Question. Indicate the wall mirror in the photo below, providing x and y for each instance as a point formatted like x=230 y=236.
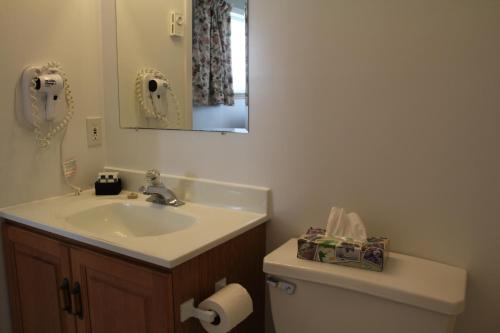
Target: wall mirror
x=183 y=64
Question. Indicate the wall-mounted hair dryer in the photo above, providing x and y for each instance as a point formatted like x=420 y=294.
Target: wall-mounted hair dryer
x=51 y=86
x=158 y=90
x=47 y=104
x=42 y=86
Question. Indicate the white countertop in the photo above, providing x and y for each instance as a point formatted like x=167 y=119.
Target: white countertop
x=214 y=226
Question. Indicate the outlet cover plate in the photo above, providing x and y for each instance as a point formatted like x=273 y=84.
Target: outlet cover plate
x=94 y=131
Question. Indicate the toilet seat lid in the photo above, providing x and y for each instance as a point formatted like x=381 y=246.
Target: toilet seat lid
x=405 y=279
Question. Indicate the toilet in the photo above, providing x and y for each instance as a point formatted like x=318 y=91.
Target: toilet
x=411 y=295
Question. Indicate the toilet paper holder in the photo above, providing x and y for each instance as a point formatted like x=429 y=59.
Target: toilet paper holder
x=188 y=310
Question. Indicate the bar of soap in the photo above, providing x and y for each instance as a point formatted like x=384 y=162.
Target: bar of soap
x=132 y=195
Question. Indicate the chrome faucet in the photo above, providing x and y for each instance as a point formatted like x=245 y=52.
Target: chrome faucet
x=158 y=192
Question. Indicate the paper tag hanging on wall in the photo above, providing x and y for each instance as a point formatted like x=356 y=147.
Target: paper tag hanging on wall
x=176 y=24
x=69 y=168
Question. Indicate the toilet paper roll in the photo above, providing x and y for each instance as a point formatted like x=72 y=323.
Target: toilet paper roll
x=232 y=304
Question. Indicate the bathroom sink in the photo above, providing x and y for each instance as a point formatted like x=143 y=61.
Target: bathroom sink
x=166 y=236
x=128 y=220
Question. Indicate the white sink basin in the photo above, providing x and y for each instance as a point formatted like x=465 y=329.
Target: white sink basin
x=128 y=220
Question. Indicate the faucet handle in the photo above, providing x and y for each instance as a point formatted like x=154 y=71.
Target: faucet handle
x=153 y=177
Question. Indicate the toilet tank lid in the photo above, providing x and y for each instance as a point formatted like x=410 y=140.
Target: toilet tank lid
x=405 y=279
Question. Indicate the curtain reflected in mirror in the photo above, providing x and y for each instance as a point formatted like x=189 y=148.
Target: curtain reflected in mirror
x=192 y=75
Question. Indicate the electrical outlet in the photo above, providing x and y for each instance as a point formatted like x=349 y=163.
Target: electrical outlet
x=94 y=131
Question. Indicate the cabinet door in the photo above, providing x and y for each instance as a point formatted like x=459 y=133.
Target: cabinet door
x=118 y=296
x=38 y=273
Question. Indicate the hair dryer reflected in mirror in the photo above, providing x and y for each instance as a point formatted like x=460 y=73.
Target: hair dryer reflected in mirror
x=156 y=98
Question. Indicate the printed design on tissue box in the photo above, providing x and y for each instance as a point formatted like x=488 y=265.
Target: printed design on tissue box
x=378 y=241
x=348 y=252
x=374 y=255
x=326 y=251
x=316 y=246
x=307 y=249
x=315 y=233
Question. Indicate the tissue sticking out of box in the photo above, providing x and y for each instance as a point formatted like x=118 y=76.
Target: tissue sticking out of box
x=343 y=225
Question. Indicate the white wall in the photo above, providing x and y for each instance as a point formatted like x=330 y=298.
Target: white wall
x=388 y=107
x=34 y=32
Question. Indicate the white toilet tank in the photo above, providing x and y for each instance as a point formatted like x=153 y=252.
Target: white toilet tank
x=411 y=295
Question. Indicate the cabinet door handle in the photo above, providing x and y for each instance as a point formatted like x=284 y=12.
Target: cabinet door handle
x=77 y=300
x=66 y=298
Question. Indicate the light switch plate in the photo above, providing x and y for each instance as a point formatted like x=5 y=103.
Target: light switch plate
x=176 y=24
x=94 y=131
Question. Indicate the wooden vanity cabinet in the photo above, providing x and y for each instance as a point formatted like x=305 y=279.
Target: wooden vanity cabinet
x=112 y=295
x=59 y=285
x=38 y=272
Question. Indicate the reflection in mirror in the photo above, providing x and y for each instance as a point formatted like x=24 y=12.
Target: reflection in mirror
x=183 y=64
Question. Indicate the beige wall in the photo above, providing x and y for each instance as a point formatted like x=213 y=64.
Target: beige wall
x=387 y=107
x=34 y=32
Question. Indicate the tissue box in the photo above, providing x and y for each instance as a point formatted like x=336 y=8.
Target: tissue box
x=316 y=246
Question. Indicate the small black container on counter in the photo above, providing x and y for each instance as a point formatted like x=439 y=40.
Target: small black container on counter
x=108 y=188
